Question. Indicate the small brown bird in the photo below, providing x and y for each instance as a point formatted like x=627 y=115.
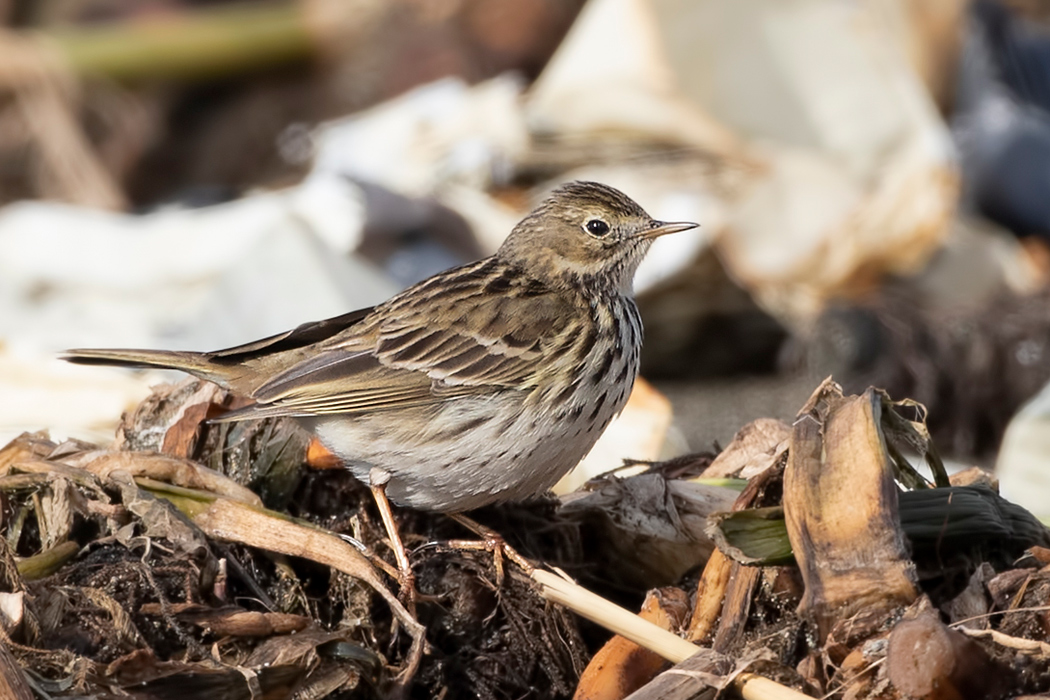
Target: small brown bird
x=484 y=383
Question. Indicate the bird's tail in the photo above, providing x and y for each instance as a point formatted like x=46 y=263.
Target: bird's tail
x=195 y=363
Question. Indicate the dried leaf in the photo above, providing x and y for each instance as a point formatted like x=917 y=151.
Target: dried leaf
x=55 y=515
x=840 y=505
x=756 y=447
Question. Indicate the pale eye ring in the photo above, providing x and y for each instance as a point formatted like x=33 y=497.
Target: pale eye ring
x=597 y=227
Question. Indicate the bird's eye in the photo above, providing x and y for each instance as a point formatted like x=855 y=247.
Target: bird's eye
x=597 y=227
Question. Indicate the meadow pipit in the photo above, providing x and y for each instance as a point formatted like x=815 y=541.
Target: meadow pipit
x=484 y=383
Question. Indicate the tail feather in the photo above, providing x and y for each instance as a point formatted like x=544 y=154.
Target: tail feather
x=195 y=363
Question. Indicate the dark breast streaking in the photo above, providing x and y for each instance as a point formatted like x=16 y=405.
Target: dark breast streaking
x=471 y=451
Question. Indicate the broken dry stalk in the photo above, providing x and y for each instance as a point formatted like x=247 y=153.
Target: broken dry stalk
x=755 y=687
x=709 y=594
x=736 y=606
x=613 y=617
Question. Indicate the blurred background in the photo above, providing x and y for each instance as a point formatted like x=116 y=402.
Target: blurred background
x=872 y=180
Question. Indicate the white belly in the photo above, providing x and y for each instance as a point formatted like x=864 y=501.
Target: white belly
x=457 y=461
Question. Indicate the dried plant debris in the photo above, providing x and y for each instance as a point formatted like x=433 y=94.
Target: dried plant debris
x=137 y=571
x=852 y=590
x=841 y=573
x=653 y=524
x=265 y=456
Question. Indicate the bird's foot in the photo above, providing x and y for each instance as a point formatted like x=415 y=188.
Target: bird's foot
x=491 y=541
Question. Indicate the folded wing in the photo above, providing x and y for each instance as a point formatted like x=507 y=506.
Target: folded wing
x=463 y=342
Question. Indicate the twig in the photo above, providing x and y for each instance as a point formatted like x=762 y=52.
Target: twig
x=1026 y=645
x=613 y=617
x=755 y=687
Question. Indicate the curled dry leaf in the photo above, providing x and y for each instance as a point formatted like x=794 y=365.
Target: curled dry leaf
x=158 y=518
x=756 y=447
x=181 y=472
x=25 y=447
x=654 y=524
x=841 y=510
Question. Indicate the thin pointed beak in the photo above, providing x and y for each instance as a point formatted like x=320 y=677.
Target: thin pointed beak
x=662 y=228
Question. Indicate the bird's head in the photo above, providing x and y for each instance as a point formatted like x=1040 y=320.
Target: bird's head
x=585 y=233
